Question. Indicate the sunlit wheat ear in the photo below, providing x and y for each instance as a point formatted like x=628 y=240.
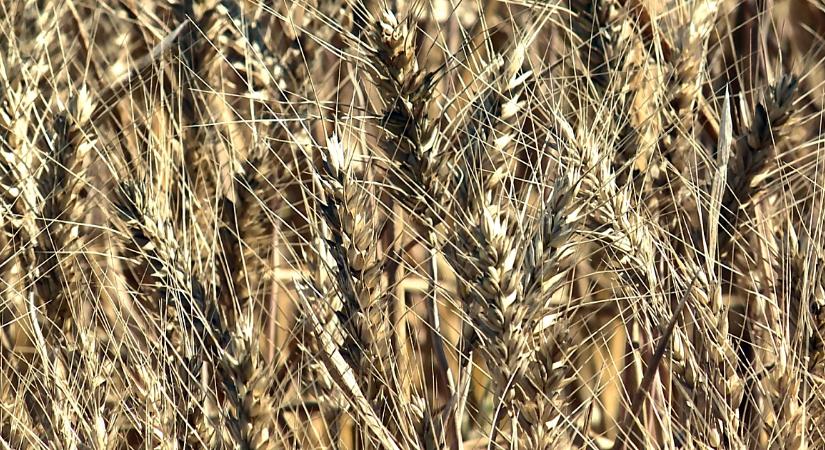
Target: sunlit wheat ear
x=191 y=331
x=248 y=225
x=361 y=326
x=674 y=167
x=488 y=139
x=410 y=137
x=19 y=203
x=597 y=44
x=63 y=187
x=506 y=279
x=351 y=236
x=59 y=284
x=245 y=383
x=688 y=64
x=754 y=151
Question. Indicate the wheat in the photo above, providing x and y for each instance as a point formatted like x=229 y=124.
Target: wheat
x=351 y=224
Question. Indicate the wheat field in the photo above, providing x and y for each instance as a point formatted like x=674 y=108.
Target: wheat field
x=443 y=224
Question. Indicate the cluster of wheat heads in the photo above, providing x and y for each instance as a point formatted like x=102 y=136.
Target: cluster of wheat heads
x=400 y=225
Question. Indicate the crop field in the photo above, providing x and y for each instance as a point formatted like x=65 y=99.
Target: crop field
x=403 y=224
